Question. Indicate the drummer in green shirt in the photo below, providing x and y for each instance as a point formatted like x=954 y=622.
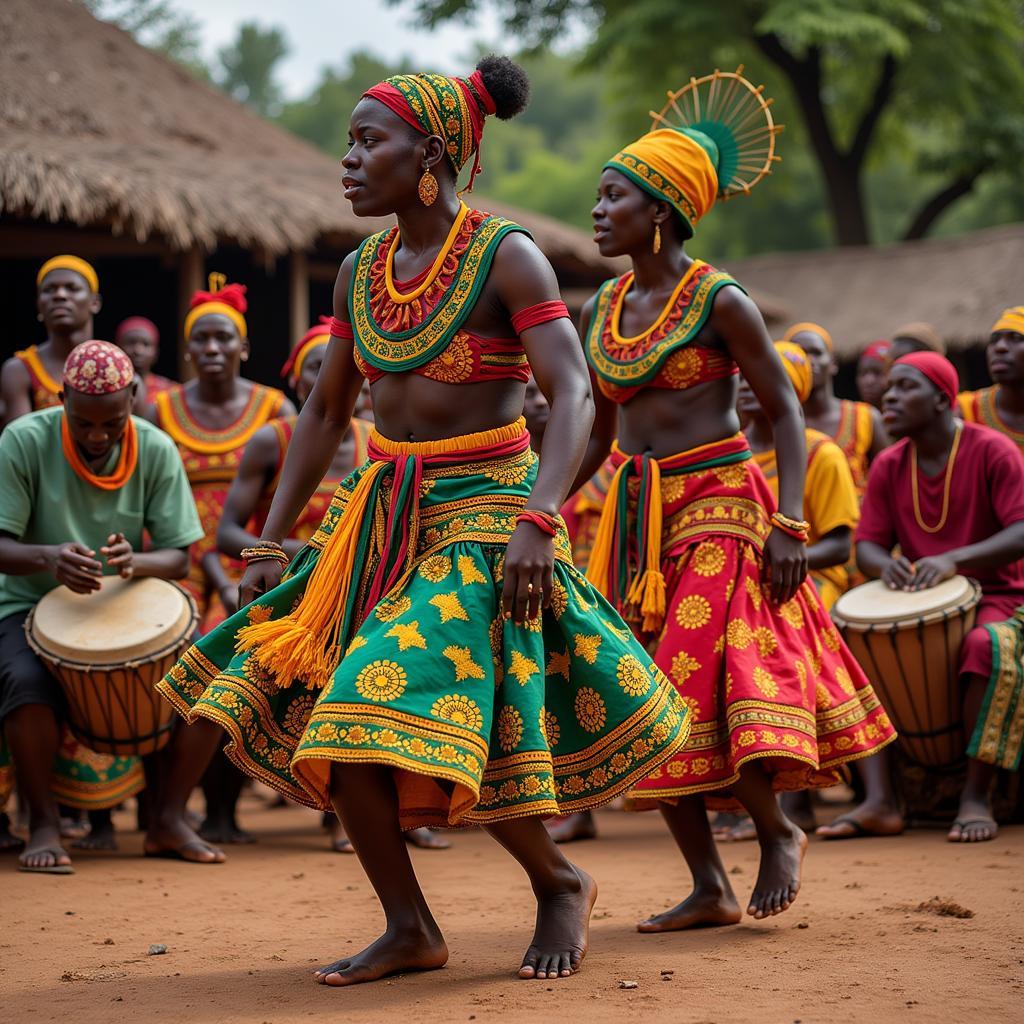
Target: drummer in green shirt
x=82 y=482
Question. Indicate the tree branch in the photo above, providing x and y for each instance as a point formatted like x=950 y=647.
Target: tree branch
x=942 y=200
x=879 y=101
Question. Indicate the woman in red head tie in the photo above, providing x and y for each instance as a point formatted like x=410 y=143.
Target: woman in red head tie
x=139 y=337
x=432 y=657
x=690 y=546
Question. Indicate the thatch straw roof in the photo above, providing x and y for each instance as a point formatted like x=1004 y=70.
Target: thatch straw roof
x=97 y=130
x=957 y=284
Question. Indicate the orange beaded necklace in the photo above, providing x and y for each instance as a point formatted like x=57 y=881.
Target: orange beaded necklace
x=945 y=486
x=126 y=462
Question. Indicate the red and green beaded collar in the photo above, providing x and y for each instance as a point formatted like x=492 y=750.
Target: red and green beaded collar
x=632 y=361
x=395 y=334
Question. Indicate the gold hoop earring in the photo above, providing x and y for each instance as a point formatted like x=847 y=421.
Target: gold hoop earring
x=428 y=188
x=657 y=238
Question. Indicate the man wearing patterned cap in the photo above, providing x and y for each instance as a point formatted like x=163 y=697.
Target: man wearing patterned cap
x=67 y=299
x=1001 y=406
x=70 y=520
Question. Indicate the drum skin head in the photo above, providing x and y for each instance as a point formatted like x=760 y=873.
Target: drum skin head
x=124 y=620
x=874 y=603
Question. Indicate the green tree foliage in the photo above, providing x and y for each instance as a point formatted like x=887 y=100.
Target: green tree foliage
x=927 y=91
x=249 y=65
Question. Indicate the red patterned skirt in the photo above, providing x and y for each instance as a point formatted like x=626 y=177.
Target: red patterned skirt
x=763 y=681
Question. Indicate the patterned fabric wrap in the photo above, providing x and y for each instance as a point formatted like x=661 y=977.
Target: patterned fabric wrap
x=451 y=108
x=81 y=778
x=482 y=719
x=394 y=337
x=665 y=356
x=855 y=435
x=45 y=391
x=676 y=165
x=998 y=736
x=211 y=459
x=98 y=368
x=766 y=682
x=797 y=367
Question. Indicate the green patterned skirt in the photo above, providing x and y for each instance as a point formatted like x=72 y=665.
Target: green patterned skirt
x=481 y=719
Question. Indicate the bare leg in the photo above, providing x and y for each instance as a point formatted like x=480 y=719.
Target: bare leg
x=572 y=827
x=712 y=901
x=180 y=770
x=799 y=808
x=366 y=801
x=222 y=786
x=33 y=737
x=565 y=898
x=8 y=840
x=974 y=821
x=783 y=845
x=879 y=814
x=100 y=835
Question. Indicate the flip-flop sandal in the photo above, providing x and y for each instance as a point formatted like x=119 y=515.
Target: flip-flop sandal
x=179 y=853
x=51 y=869
x=964 y=823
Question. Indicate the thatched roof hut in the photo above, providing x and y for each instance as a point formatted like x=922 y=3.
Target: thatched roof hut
x=957 y=284
x=115 y=152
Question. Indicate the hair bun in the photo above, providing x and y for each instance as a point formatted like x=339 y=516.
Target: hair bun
x=507 y=83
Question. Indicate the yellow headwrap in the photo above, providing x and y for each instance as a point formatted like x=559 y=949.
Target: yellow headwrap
x=813 y=329
x=797 y=367
x=1011 y=319
x=68 y=262
x=675 y=165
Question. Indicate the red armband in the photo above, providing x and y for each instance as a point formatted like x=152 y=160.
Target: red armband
x=340 y=329
x=542 y=313
x=544 y=522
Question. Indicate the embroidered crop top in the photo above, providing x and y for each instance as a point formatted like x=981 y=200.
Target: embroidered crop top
x=664 y=356
x=416 y=325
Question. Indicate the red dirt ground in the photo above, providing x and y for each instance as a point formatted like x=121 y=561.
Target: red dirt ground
x=243 y=938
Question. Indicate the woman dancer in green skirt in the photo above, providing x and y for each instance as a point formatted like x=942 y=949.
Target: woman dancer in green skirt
x=432 y=657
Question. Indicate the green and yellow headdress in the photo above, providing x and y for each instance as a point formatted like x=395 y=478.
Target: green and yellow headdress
x=714 y=138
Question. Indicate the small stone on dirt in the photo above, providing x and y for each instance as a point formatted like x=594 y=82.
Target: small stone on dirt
x=628 y=984
x=108 y=942
x=944 y=908
x=157 y=949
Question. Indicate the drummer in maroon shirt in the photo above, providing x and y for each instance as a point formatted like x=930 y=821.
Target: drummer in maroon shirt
x=966 y=516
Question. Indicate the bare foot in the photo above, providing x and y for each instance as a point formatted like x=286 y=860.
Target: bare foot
x=9 y=842
x=974 y=822
x=724 y=822
x=572 y=827
x=224 y=831
x=99 y=838
x=73 y=828
x=701 y=909
x=44 y=852
x=562 y=934
x=742 y=832
x=171 y=837
x=395 y=952
x=424 y=839
x=778 y=880
x=865 y=820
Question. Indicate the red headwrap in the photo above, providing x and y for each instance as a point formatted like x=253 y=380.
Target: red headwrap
x=318 y=334
x=938 y=369
x=876 y=350
x=226 y=299
x=452 y=108
x=97 y=368
x=137 y=323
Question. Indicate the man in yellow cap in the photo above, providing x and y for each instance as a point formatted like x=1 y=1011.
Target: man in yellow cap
x=1001 y=406
x=67 y=299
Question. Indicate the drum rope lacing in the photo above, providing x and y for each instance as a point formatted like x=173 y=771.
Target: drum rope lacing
x=945 y=486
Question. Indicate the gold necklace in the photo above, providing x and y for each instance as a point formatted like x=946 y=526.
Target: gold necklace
x=945 y=486
x=435 y=268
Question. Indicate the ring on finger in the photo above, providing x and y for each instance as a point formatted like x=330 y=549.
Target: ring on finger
x=529 y=588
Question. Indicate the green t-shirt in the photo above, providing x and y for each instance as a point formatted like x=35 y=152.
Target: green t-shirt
x=43 y=501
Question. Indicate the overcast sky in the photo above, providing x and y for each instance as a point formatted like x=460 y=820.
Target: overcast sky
x=324 y=32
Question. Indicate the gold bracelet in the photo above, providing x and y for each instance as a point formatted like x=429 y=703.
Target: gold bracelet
x=265 y=551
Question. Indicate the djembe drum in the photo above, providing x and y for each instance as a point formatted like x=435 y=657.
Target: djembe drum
x=108 y=650
x=909 y=646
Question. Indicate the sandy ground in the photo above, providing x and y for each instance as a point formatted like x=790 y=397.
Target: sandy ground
x=241 y=939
